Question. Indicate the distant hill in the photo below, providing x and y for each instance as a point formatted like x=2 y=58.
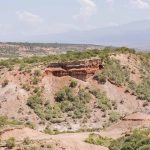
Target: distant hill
x=12 y=49
x=135 y=34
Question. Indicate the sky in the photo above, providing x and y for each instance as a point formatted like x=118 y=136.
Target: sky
x=20 y=19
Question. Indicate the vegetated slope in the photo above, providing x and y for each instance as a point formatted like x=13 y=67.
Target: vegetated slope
x=121 y=87
x=14 y=50
x=31 y=95
x=138 y=139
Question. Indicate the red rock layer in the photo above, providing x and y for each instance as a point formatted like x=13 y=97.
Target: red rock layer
x=77 y=69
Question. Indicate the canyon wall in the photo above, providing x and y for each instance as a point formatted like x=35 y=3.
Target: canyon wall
x=77 y=69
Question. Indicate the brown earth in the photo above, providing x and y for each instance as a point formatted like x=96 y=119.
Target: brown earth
x=72 y=141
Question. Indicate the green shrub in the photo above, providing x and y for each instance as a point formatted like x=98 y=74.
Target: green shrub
x=35 y=80
x=116 y=145
x=145 y=141
x=6 y=121
x=34 y=100
x=22 y=66
x=100 y=77
x=66 y=106
x=114 y=116
x=3 y=121
x=102 y=101
x=132 y=85
x=143 y=89
x=75 y=103
x=10 y=143
x=113 y=72
x=98 y=140
x=30 y=125
x=138 y=140
x=37 y=73
x=65 y=94
x=61 y=96
x=73 y=83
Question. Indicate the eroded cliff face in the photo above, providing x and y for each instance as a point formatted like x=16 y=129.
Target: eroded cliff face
x=77 y=69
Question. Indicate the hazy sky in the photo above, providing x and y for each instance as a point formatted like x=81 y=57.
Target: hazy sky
x=23 y=18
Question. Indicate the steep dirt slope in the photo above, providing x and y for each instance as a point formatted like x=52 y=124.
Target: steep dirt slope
x=13 y=103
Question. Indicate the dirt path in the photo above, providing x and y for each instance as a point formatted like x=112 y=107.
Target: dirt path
x=69 y=141
x=75 y=141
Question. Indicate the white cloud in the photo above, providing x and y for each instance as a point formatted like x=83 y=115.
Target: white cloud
x=141 y=4
x=29 y=18
x=88 y=8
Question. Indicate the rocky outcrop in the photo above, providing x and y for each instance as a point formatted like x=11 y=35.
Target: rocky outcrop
x=77 y=69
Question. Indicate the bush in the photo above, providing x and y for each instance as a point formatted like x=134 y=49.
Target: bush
x=22 y=66
x=27 y=141
x=100 y=77
x=34 y=100
x=138 y=140
x=5 y=121
x=145 y=141
x=73 y=83
x=115 y=145
x=10 y=143
x=4 y=83
x=98 y=140
x=30 y=125
x=37 y=73
x=143 y=89
x=113 y=72
x=132 y=85
x=102 y=101
x=114 y=116
x=35 y=80
x=65 y=94
x=66 y=106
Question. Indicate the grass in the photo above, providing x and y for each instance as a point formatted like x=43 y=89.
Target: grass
x=4 y=121
x=98 y=140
